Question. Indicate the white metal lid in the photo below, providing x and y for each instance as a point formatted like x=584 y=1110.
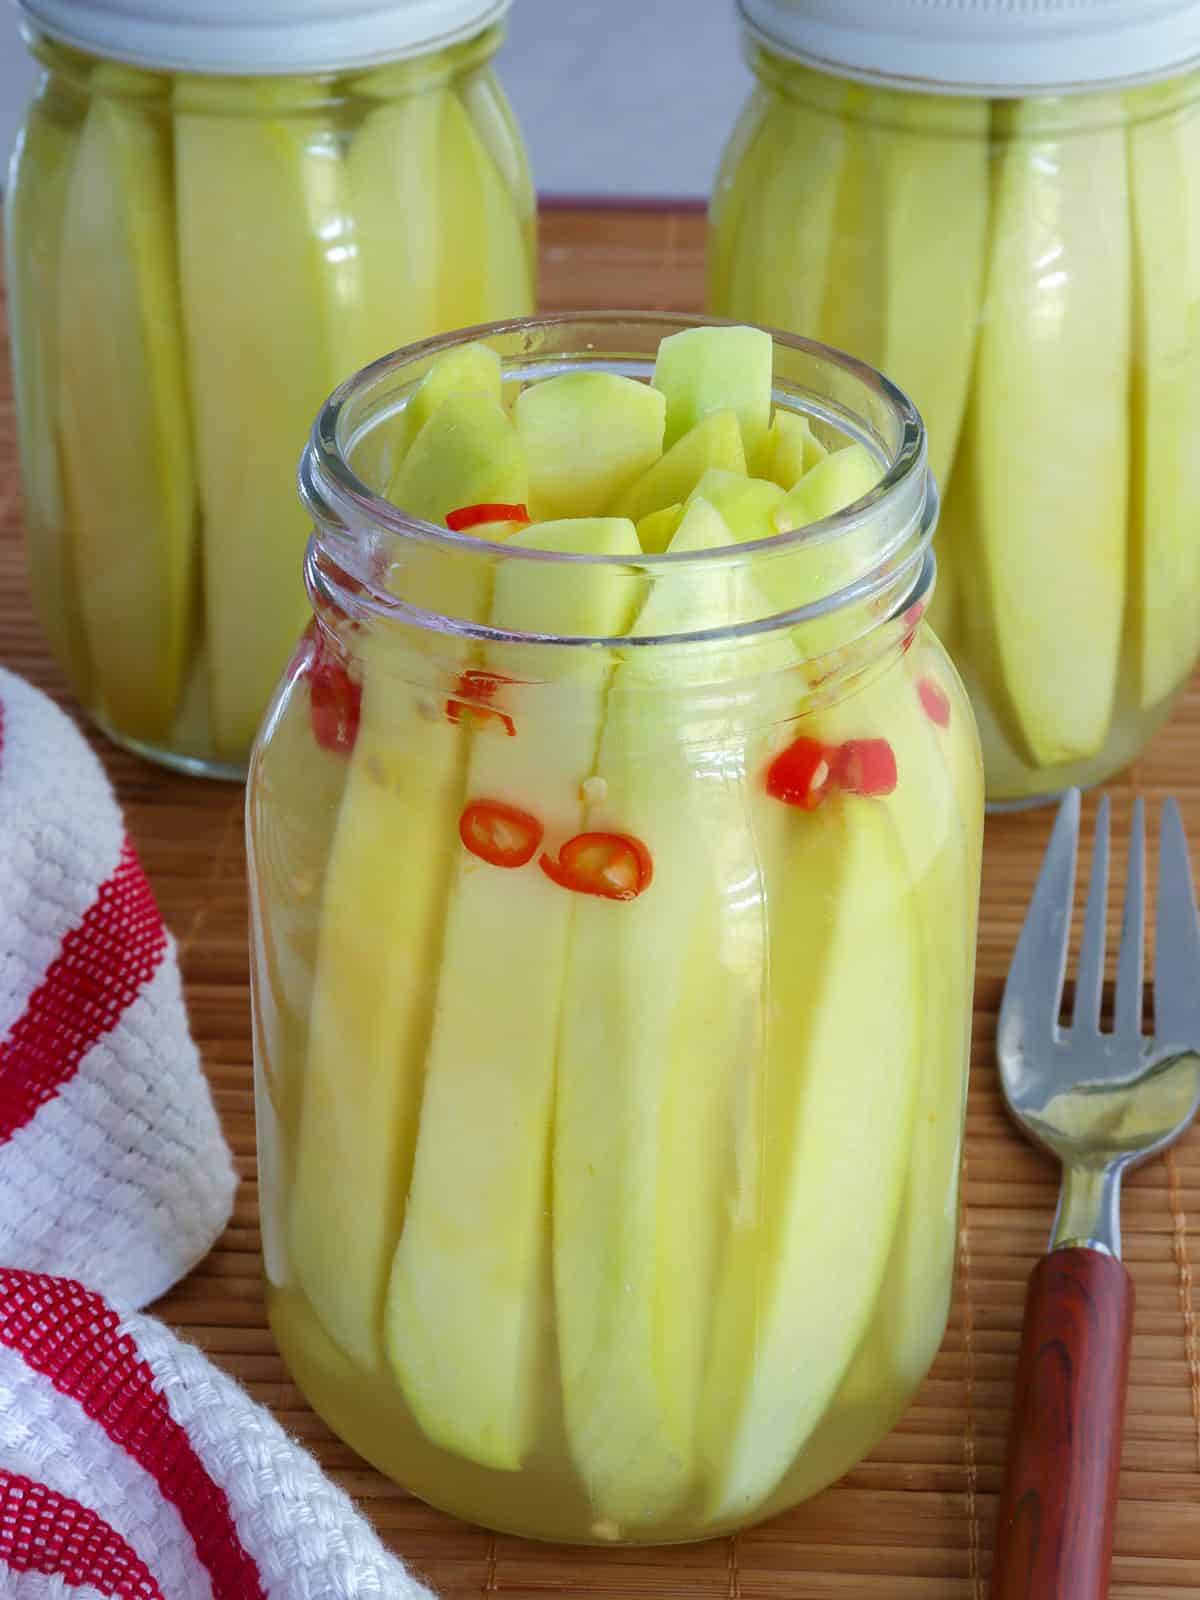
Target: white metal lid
x=260 y=36
x=989 y=47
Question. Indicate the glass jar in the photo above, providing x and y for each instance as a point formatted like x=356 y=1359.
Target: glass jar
x=194 y=260
x=1027 y=265
x=612 y=1208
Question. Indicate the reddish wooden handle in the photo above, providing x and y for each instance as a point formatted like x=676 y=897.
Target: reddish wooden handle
x=1058 y=1504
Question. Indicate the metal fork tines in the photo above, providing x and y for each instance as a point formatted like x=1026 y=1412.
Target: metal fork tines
x=1103 y=1100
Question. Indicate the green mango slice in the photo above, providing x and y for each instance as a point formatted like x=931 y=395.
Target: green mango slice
x=663 y=996
x=391 y=176
x=748 y=505
x=127 y=461
x=938 y=822
x=1164 y=152
x=37 y=198
x=266 y=281
x=851 y=316
x=485 y=270
x=587 y=436
x=832 y=1178
x=716 y=369
x=476 y=1229
x=782 y=237
x=438 y=234
x=656 y=531
x=836 y=481
x=467 y=454
x=382 y=917
x=466 y=369
x=932 y=159
x=1048 y=430
x=715 y=441
x=791 y=448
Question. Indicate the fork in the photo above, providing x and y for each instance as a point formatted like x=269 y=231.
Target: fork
x=1101 y=1102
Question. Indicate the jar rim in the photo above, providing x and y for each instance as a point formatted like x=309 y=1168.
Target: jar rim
x=339 y=501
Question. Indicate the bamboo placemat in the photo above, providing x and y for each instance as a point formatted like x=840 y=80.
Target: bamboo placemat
x=915 y=1520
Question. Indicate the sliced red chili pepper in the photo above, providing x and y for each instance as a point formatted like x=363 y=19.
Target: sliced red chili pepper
x=616 y=866
x=935 y=700
x=335 y=699
x=866 y=766
x=802 y=774
x=473 y=516
x=499 y=834
x=476 y=686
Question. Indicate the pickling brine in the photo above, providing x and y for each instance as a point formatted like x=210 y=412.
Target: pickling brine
x=614 y=882
x=195 y=260
x=1028 y=268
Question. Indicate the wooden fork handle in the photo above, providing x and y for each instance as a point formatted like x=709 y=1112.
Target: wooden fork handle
x=1058 y=1504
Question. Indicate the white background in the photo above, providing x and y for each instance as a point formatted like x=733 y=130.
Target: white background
x=624 y=97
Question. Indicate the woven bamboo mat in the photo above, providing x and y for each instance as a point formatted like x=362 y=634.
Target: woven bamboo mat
x=915 y=1520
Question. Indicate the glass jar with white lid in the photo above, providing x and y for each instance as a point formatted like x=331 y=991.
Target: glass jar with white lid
x=999 y=206
x=213 y=216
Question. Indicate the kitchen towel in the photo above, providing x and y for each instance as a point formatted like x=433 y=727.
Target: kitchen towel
x=130 y=1467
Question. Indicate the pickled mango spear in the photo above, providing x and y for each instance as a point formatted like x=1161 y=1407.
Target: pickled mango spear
x=1048 y=432
x=476 y=1229
x=466 y=369
x=656 y=531
x=468 y=453
x=127 y=463
x=393 y=196
x=663 y=995
x=930 y=205
x=587 y=437
x=714 y=441
x=748 y=505
x=936 y=809
x=781 y=240
x=835 y=481
x=839 y=1088
x=811 y=568
x=436 y=231
x=942 y=846
x=267 y=279
x=791 y=448
x=853 y=854
x=702 y=370
x=852 y=309
x=372 y=1005
x=1164 y=177
x=484 y=265
x=382 y=921
x=37 y=197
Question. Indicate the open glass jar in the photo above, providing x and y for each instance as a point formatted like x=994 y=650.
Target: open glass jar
x=204 y=237
x=609 y=1071
x=1025 y=260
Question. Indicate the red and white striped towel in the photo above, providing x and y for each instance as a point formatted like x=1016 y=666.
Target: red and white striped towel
x=112 y=1164
x=130 y=1467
